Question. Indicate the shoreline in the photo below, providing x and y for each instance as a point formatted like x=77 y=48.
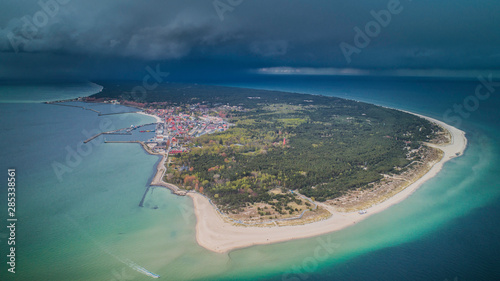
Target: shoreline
x=219 y=236
x=158 y=119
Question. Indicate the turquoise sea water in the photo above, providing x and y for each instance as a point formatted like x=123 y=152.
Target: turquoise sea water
x=78 y=214
x=38 y=92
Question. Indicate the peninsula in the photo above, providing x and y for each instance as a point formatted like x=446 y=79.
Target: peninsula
x=266 y=166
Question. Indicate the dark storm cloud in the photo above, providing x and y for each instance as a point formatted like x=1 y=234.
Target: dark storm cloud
x=249 y=34
x=150 y=31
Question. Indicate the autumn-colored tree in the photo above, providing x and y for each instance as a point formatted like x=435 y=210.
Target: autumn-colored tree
x=214 y=168
x=188 y=180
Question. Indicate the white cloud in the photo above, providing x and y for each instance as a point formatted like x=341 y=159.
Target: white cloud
x=428 y=73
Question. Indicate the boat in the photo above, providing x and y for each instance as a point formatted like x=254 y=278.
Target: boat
x=362 y=212
x=142 y=270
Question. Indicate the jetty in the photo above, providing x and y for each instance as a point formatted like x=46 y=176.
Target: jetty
x=141 y=204
x=127 y=131
x=157 y=180
x=61 y=103
x=99 y=113
x=160 y=173
x=102 y=114
x=91 y=138
x=122 y=142
x=104 y=133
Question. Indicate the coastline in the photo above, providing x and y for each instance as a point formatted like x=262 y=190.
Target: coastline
x=219 y=236
x=158 y=119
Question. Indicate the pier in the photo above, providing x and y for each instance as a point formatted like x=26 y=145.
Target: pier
x=129 y=134
x=90 y=139
x=105 y=133
x=117 y=132
x=157 y=180
x=141 y=204
x=122 y=142
x=61 y=103
x=102 y=114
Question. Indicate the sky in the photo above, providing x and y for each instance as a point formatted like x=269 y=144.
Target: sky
x=101 y=39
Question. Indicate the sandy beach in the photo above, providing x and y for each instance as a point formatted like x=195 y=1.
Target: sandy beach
x=216 y=235
x=158 y=119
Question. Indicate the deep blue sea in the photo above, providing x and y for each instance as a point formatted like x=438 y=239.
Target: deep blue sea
x=79 y=219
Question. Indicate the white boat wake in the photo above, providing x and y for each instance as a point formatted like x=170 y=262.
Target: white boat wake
x=127 y=262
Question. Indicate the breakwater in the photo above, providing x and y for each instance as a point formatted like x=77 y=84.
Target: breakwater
x=126 y=131
x=62 y=103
